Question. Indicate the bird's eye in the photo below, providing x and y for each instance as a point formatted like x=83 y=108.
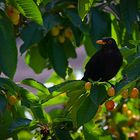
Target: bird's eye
x=110 y=42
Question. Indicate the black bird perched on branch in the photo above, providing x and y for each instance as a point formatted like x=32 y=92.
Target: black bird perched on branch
x=105 y=63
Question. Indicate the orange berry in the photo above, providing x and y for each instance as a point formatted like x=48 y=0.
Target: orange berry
x=68 y=33
x=88 y=85
x=111 y=91
x=125 y=93
x=61 y=38
x=134 y=93
x=9 y=10
x=13 y=14
x=55 y=31
x=129 y=113
x=110 y=105
x=12 y=100
x=124 y=108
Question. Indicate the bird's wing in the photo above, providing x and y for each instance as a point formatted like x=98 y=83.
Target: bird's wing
x=93 y=60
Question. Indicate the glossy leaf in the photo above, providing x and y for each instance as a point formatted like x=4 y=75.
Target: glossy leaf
x=30 y=35
x=28 y=98
x=76 y=105
x=5 y=82
x=51 y=20
x=83 y=7
x=35 y=84
x=68 y=87
x=62 y=134
x=30 y=10
x=133 y=69
x=8 y=50
x=37 y=111
x=6 y=120
x=126 y=52
x=75 y=19
x=69 y=49
x=3 y=103
x=58 y=58
x=128 y=13
x=35 y=60
x=74 y=97
x=19 y=124
x=100 y=25
x=77 y=36
x=90 y=49
x=98 y=94
x=71 y=86
x=90 y=131
x=86 y=111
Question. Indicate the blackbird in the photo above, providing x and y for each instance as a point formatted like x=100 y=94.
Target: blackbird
x=105 y=63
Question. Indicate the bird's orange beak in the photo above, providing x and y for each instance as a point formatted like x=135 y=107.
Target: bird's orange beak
x=101 y=42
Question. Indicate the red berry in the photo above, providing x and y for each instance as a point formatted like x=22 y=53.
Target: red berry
x=12 y=100
x=110 y=105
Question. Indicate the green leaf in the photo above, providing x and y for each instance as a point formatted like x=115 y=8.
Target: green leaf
x=90 y=132
x=133 y=69
x=75 y=108
x=58 y=100
x=5 y=82
x=67 y=86
x=37 y=111
x=28 y=98
x=83 y=7
x=132 y=72
x=30 y=10
x=126 y=52
x=3 y=103
x=75 y=19
x=86 y=111
x=120 y=118
x=30 y=35
x=134 y=42
x=51 y=20
x=62 y=134
x=19 y=124
x=35 y=60
x=100 y=25
x=90 y=49
x=73 y=98
x=6 y=118
x=77 y=35
x=128 y=13
x=105 y=137
x=71 y=86
x=8 y=50
x=69 y=49
x=98 y=94
x=35 y=84
x=57 y=57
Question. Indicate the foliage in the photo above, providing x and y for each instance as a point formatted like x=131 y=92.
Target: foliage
x=51 y=32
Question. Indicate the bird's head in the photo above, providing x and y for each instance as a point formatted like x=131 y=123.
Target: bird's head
x=107 y=42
